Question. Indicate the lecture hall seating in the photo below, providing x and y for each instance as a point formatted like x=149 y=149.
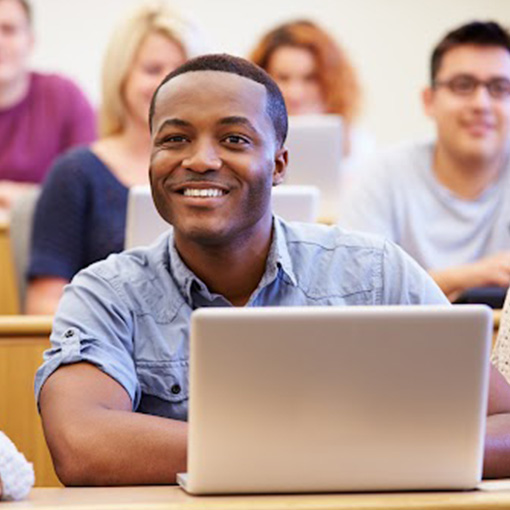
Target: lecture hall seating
x=9 y=303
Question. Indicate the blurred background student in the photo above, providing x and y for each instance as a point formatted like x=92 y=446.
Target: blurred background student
x=81 y=213
x=41 y=115
x=315 y=75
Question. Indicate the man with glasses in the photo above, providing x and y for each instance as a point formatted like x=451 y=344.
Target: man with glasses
x=447 y=201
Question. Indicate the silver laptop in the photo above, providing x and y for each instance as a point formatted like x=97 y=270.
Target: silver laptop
x=315 y=155
x=329 y=399
x=144 y=224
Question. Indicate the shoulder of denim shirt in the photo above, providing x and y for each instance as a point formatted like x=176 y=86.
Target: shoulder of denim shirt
x=330 y=237
x=331 y=263
x=139 y=276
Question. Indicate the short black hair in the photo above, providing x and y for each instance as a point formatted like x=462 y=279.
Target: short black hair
x=275 y=105
x=478 y=33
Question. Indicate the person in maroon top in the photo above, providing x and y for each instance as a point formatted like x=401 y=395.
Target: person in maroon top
x=41 y=115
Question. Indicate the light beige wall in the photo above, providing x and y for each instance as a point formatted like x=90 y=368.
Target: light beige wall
x=389 y=40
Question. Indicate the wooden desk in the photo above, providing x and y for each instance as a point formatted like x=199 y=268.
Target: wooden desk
x=22 y=342
x=492 y=495
x=9 y=303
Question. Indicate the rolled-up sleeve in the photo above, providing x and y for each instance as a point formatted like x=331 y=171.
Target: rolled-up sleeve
x=93 y=324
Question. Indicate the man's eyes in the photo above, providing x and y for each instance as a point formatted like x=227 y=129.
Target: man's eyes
x=236 y=140
x=9 y=30
x=172 y=140
x=176 y=138
x=501 y=86
x=463 y=83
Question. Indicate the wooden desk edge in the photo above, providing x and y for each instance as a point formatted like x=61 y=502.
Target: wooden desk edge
x=25 y=325
x=493 y=494
x=18 y=325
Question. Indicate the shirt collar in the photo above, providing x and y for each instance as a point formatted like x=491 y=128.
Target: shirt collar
x=180 y=272
x=278 y=257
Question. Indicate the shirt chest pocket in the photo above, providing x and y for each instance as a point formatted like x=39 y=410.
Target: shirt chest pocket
x=162 y=363
x=164 y=388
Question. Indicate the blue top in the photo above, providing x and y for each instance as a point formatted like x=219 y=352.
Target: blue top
x=130 y=315
x=80 y=217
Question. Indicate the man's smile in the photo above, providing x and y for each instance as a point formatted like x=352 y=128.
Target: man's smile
x=210 y=192
x=479 y=127
x=201 y=189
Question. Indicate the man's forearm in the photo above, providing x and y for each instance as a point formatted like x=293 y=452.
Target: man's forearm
x=95 y=438
x=450 y=281
x=110 y=447
x=492 y=270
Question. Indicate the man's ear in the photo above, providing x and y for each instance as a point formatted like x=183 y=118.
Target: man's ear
x=427 y=98
x=281 y=161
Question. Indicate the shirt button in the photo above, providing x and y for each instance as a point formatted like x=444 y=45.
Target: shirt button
x=175 y=389
x=69 y=333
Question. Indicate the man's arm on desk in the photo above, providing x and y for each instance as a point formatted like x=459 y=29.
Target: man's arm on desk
x=96 y=439
x=493 y=270
x=497 y=441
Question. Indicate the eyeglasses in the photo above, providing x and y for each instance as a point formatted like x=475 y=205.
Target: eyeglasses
x=465 y=85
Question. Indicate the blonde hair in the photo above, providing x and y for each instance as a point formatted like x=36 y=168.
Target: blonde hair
x=150 y=17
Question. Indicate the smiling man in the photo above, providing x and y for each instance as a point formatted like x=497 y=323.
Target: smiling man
x=212 y=168
x=113 y=391
x=447 y=201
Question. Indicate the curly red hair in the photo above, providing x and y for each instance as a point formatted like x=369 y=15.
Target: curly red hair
x=337 y=76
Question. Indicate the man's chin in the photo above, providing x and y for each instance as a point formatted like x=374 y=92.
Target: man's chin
x=7 y=75
x=204 y=235
x=479 y=151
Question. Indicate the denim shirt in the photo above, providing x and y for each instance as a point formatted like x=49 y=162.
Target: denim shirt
x=129 y=315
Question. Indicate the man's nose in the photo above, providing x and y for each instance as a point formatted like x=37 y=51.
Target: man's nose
x=481 y=98
x=202 y=157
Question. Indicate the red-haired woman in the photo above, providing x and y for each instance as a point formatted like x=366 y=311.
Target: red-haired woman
x=314 y=74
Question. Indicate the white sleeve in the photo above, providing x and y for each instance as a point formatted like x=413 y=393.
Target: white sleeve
x=16 y=474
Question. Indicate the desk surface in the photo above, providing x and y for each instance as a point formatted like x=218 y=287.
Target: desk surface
x=491 y=495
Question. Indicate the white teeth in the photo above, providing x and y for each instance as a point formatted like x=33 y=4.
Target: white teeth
x=213 y=192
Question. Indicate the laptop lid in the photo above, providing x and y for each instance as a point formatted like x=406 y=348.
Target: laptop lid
x=315 y=155
x=144 y=224
x=333 y=399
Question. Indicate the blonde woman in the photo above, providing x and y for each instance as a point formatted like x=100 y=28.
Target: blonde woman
x=81 y=213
